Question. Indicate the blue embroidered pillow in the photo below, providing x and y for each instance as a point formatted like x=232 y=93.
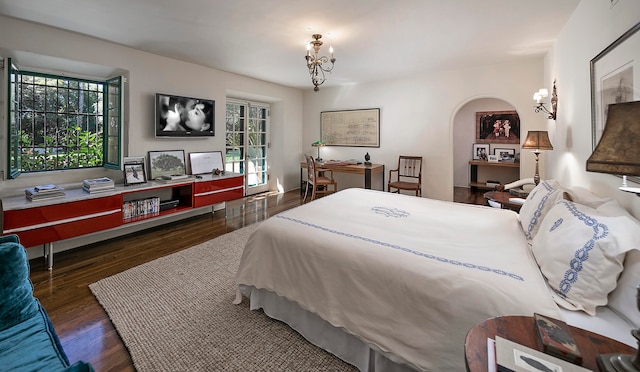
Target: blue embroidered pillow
x=538 y=203
x=581 y=253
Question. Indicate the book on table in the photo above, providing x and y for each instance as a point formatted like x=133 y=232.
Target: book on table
x=514 y=357
x=555 y=337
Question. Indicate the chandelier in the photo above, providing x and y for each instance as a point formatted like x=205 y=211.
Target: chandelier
x=314 y=62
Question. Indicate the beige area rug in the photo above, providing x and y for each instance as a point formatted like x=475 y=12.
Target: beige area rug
x=176 y=314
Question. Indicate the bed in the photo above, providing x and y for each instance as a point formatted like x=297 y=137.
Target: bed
x=394 y=282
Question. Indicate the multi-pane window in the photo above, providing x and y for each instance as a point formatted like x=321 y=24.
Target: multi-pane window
x=58 y=122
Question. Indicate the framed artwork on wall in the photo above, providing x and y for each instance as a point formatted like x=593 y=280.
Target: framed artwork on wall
x=497 y=127
x=357 y=128
x=614 y=78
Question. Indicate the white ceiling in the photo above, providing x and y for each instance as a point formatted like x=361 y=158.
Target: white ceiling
x=265 y=39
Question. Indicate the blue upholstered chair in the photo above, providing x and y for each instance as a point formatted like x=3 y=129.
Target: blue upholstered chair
x=28 y=341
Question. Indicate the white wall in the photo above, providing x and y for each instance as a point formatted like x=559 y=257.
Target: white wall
x=417 y=116
x=593 y=26
x=148 y=74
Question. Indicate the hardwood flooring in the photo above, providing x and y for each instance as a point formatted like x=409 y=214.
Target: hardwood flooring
x=84 y=328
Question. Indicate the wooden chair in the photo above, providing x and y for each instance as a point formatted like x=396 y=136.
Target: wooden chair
x=319 y=180
x=408 y=175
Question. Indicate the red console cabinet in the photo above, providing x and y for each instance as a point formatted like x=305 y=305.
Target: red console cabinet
x=212 y=189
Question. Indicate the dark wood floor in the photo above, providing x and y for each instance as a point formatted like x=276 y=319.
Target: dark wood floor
x=84 y=329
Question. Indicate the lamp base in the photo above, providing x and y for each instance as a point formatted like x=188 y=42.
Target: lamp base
x=616 y=363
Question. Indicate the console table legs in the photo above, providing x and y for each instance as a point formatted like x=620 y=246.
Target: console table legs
x=48 y=254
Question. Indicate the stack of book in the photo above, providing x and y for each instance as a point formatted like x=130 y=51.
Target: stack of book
x=96 y=185
x=175 y=178
x=44 y=192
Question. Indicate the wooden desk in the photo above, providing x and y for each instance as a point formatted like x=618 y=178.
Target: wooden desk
x=503 y=199
x=520 y=329
x=367 y=170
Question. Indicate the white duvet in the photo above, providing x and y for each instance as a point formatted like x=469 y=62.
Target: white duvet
x=407 y=275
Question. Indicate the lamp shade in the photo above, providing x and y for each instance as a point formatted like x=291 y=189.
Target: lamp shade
x=618 y=151
x=537 y=140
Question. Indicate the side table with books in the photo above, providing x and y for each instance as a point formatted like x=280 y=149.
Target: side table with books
x=521 y=330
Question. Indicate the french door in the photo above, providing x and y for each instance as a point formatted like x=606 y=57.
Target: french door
x=247 y=143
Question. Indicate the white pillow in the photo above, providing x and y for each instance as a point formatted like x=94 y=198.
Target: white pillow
x=537 y=204
x=580 y=252
x=623 y=299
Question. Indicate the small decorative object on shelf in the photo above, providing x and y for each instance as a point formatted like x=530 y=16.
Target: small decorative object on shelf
x=556 y=338
x=622 y=362
x=367 y=157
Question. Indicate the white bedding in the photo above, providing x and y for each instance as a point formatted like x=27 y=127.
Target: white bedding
x=409 y=276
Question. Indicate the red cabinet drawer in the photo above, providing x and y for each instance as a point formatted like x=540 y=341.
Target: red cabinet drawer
x=218 y=191
x=44 y=224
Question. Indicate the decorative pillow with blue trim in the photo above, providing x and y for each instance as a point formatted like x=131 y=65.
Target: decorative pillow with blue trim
x=581 y=253
x=538 y=203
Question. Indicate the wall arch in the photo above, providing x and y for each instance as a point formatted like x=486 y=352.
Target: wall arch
x=463 y=126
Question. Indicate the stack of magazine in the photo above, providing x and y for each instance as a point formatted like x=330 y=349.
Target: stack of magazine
x=96 y=185
x=44 y=192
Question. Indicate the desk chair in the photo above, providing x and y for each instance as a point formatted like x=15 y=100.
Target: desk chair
x=319 y=180
x=408 y=175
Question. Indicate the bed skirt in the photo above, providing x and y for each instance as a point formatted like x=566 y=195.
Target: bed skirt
x=322 y=334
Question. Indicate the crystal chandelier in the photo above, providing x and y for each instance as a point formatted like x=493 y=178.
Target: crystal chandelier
x=314 y=61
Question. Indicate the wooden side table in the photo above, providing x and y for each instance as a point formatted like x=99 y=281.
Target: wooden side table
x=503 y=198
x=521 y=329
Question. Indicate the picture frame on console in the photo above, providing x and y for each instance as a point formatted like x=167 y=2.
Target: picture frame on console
x=206 y=162
x=166 y=163
x=505 y=154
x=134 y=173
x=480 y=151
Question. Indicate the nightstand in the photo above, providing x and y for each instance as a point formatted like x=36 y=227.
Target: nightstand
x=502 y=198
x=521 y=329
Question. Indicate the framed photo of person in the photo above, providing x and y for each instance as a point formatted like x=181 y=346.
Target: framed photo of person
x=134 y=174
x=480 y=151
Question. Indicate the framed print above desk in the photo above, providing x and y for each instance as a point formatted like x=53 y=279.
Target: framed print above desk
x=357 y=128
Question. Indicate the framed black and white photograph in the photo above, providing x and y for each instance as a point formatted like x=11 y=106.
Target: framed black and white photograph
x=504 y=154
x=206 y=162
x=615 y=78
x=134 y=173
x=480 y=151
x=166 y=163
x=357 y=128
x=497 y=127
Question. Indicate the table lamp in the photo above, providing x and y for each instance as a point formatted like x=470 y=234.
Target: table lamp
x=537 y=140
x=318 y=144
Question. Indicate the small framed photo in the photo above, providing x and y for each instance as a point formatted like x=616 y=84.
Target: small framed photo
x=505 y=154
x=166 y=163
x=480 y=151
x=493 y=158
x=134 y=174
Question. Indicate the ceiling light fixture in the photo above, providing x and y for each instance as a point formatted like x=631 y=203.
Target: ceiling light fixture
x=539 y=97
x=314 y=61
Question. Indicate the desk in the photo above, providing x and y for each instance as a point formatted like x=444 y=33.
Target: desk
x=367 y=170
x=520 y=329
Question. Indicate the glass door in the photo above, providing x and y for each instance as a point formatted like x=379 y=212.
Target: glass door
x=247 y=125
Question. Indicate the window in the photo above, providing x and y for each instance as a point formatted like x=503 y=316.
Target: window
x=58 y=122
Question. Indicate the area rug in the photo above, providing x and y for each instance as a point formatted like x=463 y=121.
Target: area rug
x=176 y=314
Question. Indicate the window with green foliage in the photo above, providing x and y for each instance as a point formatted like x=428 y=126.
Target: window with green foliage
x=58 y=122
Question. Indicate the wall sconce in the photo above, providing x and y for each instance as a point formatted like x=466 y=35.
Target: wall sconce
x=318 y=144
x=539 y=97
x=537 y=140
